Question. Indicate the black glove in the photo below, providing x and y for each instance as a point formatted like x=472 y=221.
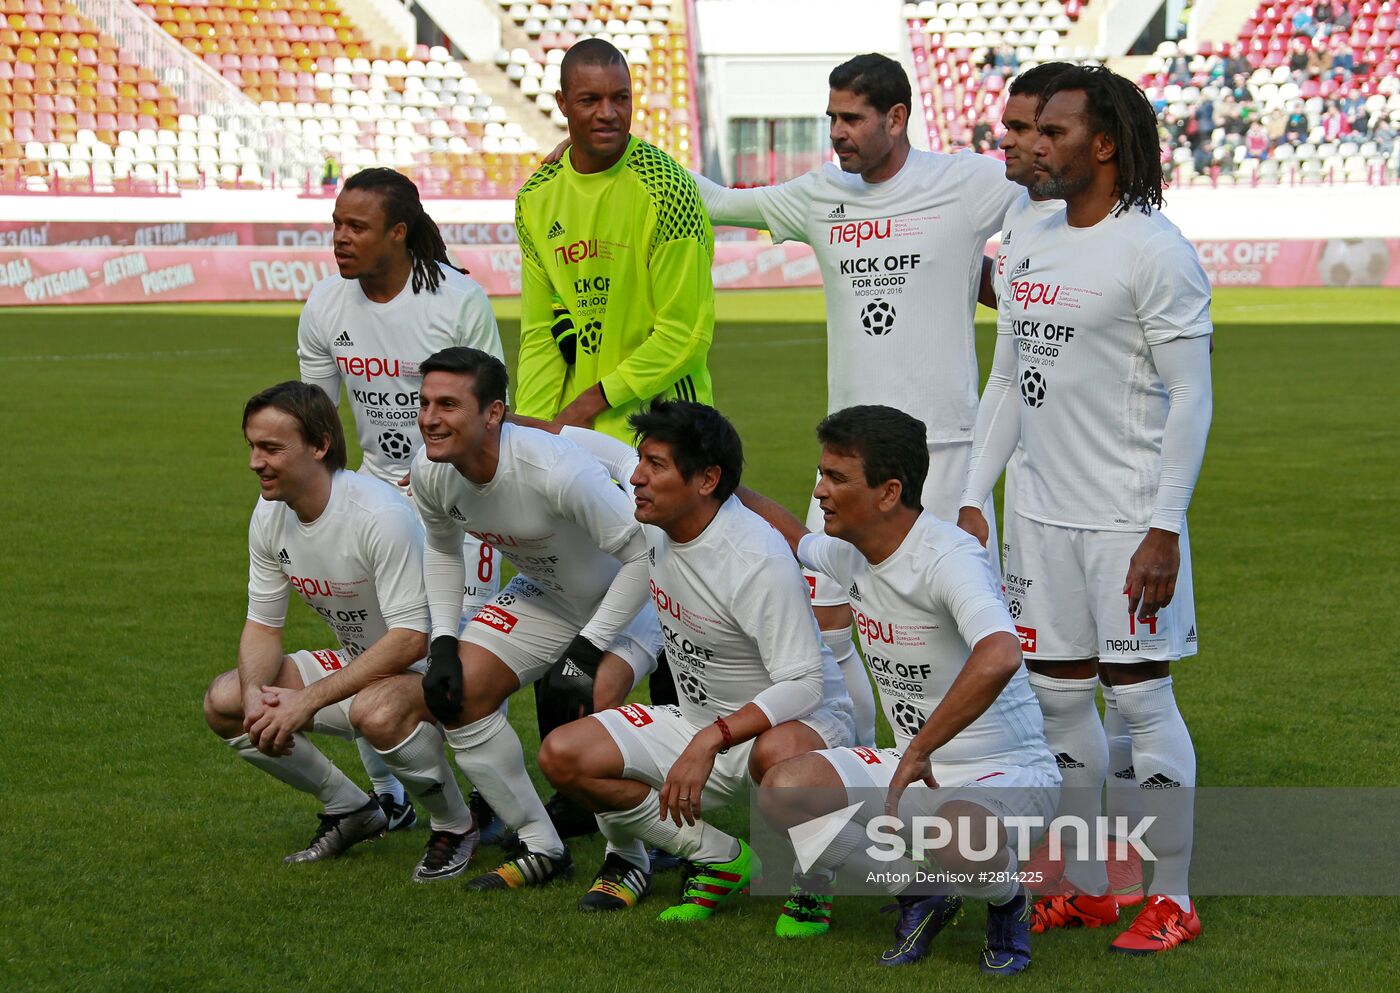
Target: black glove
x=562 y=330
x=442 y=683
x=566 y=692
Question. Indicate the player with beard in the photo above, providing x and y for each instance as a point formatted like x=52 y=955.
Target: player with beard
x=1103 y=377
x=397 y=298
x=899 y=234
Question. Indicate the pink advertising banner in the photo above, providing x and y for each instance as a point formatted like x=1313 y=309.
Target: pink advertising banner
x=108 y=275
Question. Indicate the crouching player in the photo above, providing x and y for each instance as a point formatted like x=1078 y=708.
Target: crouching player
x=580 y=585
x=945 y=658
x=353 y=548
x=757 y=684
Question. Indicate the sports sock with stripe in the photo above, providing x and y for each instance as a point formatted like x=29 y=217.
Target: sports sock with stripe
x=698 y=842
x=421 y=764
x=489 y=754
x=1077 y=740
x=307 y=769
x=1165 y=761
x=1123 y=799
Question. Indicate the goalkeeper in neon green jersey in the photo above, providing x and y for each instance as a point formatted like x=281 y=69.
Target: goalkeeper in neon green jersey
x=617 y=305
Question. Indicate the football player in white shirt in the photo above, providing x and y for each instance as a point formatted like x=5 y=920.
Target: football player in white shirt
x=900 y=236
x=943 y=650
x=756 y=683
x=1104 y=378
x=548 y=507
x=353 y=549
x=396 y=300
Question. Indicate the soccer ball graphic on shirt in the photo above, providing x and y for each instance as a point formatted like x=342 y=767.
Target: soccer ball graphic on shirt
x=591 y=337
x=907 y=717
x=1032 y=388
x=396 y=445
x=1353 y=262
x=692 y=688
x=877 y=317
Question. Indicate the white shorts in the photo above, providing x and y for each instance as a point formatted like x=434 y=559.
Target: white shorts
x=942 y=497
x=652 y=737
x=1004 y=789
x=524 y=628
x=334 y=718
x=315 y=665
x=1064 y=588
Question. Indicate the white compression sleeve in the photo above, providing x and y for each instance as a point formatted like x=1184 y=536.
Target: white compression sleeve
x=739 y=208
x=998 y=426
x=444 y=575
x=789 y=699
x=1184 y=365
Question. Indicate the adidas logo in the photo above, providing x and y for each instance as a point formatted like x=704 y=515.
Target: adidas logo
x=1067 y=761
x=344 y=339
x=1191 y=635
x=572 y=671
x=556 y=230
x=1024 y=266
x=1127 y=773
x=651 y=555
x=1159 y=782
x=284 y=558
x=456 y=514
x=839 y=214
x=854 y=593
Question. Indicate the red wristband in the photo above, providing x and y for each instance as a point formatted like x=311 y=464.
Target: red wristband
x=724 y=733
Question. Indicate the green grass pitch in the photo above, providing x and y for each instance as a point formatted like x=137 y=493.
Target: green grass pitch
x=137 y=853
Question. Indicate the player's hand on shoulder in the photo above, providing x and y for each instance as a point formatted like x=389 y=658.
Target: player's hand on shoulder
x=970 y=519
x=406 y=484
x=442 y=683
x=557 y=153
x=1152 y=572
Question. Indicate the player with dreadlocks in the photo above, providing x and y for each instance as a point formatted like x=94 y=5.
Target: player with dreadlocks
x=396 y=301
x=1103 y=375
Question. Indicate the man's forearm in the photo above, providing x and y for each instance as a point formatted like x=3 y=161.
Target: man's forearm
x=782 y=520
x=985 y=674
x=389 y=656
x=259 y=657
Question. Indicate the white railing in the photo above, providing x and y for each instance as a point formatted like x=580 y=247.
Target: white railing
x=202 y=90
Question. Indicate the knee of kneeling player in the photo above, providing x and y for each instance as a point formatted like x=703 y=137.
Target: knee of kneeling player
x=559 y=759
x=384 y=723
x=223 y=706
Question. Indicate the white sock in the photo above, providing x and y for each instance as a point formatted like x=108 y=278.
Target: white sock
x=1003 y=885
x=623 y=844
x=381 y=778
x=306 y=769
x=1165 y=762
x=857 y=683
x=1122 y=798
x=698 y=842
x=1077 y=741
x=420 y=762
x=489 y=754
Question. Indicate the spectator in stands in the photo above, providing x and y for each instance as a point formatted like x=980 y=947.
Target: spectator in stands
x=1319 y=58
x=1298 y=55
x=1237 y=66
x=1005 y=58
x=1276 y=123
x=1256 y=142
x=1344 y=59
x=1296 y=127
x=1303 y=22
x=1334 y=123
x=1324 y=14
x=1203 y=156
x=1180 y=70
x=1384 y=136
x=1341 y=24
